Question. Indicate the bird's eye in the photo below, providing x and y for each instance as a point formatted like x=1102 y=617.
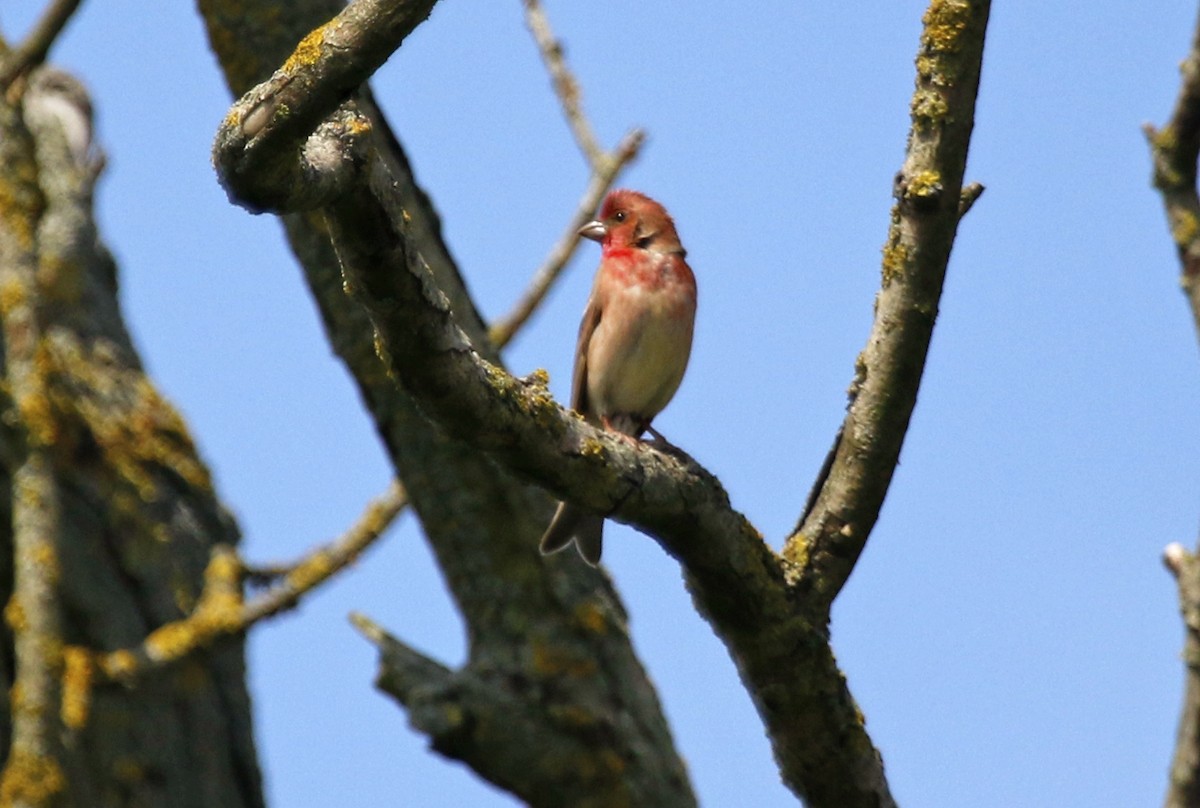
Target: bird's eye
x=619 y=216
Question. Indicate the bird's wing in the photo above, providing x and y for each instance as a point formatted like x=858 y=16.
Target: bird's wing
x=591 y=317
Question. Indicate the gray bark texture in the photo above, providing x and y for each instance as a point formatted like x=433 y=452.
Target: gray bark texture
x=110 y=513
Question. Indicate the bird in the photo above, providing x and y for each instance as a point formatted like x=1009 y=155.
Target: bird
x=634 y=340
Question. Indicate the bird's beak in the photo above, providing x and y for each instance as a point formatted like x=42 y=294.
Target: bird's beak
x=594 y=230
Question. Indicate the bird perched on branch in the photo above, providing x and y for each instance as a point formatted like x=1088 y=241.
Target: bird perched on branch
x=634 y=340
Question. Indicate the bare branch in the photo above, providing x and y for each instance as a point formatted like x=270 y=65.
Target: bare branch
x=221 y=612
x=565 y=85
x=325 y=562
x=32 y=51
x=929 y=204
x=603 y=176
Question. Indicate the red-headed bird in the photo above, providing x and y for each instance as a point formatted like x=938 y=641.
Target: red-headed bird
x=634 y=340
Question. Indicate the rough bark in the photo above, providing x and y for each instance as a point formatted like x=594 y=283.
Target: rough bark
x=549 y=651
x=136 y=515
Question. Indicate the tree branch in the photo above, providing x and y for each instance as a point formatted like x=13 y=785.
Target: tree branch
x=563 y=81
x=929 y=204
x=220 y=611
x=524 y=613
x=1175 y=149
x=32 y=51
x=33 y=773
x=267 y=128
x=738 y=584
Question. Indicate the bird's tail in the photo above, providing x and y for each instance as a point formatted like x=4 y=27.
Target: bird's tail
x=572 y=524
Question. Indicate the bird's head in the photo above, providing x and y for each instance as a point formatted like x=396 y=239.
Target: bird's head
x=632 y=220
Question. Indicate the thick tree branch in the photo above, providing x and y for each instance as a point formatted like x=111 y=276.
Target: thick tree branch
x=738 y=584
x=136 y=513
x=526 y=615
x=266 y=129
x=929 y=204
x=1174 y=149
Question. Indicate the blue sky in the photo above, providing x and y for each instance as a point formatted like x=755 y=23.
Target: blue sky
x=1010 y=633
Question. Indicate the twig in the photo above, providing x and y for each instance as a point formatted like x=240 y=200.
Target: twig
x=565 y=85
x=221 y=611
x=605 y=169
x=602 y=179
x=32 y=51
x=969 y=196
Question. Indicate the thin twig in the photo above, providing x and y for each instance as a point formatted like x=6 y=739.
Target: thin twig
x=221 y=611
x=565 y=85
x=605 y=167
x=602 y=179
x=32 y=51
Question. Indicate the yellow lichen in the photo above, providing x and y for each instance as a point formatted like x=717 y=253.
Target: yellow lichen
x=79 y=673
x=592 y=448
x=1184 y=228
x=895 y=256
x=311 y=572
x=944 y=21
x=591 y=617
x=14 y=615
x=928 y=109
x=172 y=640
x=12 y=294
x=119 y=664
x=307 y=52
x=924 y=185
x=30 y=778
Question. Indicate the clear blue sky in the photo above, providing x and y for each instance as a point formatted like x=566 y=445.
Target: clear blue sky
x=1009 y=633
